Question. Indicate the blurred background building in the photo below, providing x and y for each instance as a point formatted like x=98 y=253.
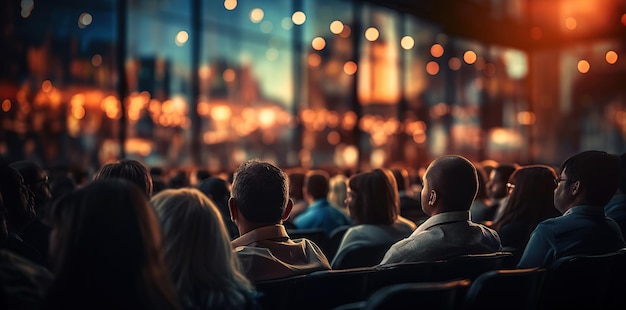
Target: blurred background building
x=347 y=84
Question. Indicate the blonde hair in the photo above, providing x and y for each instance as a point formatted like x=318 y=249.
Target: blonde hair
x=198 y=253
x=338 y=191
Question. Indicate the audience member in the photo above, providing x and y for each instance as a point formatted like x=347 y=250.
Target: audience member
x=319 y=213
x=179 y=180
x=410 y=207
x=130 y=170
x=616 y=208
x=531 y=200
x=373 y=205
x=218 y=191
x=586 y=184
x=480 y=210
x=158 y=182
x=497 y=190
x=258 y=205
x=20 y=211
x=338 y=187
x=106 y=250
x=450 y=185
x=37 y=233
x=198 y=254
x=296 y=186
x=61 y=185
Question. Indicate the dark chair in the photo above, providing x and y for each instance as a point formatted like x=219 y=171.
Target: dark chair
x=390 y=274
x=506 y=289
x=273 y=293
x=317 y=235
x=329 y=288
x=334 y=240
x=617 y=298
x=360 y=255
x=469 y=266
x=426 y=295
x=580 y=282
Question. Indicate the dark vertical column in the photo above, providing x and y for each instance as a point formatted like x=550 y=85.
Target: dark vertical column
x=297 y=72
x=402 y=104
x=122 y=83
x=357 y=33
x=195 y=81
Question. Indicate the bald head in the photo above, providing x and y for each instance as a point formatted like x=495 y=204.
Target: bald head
x=455 y=183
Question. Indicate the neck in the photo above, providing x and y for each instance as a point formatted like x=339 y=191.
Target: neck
x=245 y=227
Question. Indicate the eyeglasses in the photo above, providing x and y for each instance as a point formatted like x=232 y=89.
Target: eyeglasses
x=44 y=180
x=510 y=186
x=559 y=180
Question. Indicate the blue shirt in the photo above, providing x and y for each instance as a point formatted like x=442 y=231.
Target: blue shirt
x=321 y=214
x=582 y=230
x=616 y=210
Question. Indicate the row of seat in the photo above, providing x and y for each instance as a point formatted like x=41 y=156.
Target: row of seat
x=466 y=282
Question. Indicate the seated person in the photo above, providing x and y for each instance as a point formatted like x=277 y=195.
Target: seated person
x=616 y=208
x=410 y=207
x=450 y=185
x=320 y=213
x=130 y=170
x=373 y=204
x=587 y=182
x=258 y=205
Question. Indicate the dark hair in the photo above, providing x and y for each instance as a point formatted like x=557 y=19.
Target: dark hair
x=622 y=173
x=532 y=199
x=597 y=171
x=260 y=191
x=401 y=176
x=375 y=199
x=482 y=183
x=20 y=209
x=316 y=184
x=296 y=183
x=455 y=178
x=130 y=170
x=107 y=250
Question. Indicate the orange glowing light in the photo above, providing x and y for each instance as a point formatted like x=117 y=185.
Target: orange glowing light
x=624 y=19
x=78 y=112
x=229 y=75
x=469 y=57
x=583 y=66
x=345 y=33
x=46 y=86
x=298 y=17
x=221 y=113
x=314 y=60
x=432 y=67
x=407 y=42
x=333 y=138
x=526 y=118
x=349 y=67
x=256 y=15
x=454 y=63
x=436 y=50
x=371 y=34
x=96 y=60
x=318 y=43
x=571 y=23
x=6 y=105
x=230 y=4
x=336 y=27
x=611 y=57
x=204 y=72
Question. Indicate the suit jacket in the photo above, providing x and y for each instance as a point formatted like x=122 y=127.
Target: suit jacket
x=616 y=210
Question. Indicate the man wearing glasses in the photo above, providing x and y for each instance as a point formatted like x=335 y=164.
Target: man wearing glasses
x=587 y=182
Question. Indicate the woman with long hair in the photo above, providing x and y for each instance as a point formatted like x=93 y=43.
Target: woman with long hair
x=198 y=252
x=105 y=249
x=531 y=200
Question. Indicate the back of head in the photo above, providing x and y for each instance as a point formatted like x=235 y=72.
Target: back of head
x=338 y=186
x=622 y=173
x=17 y=198
x=374 y=197
x=401 y=176
x=260 y=190
x=455 y=179
x=296 y=183
x=36 y=180
x=197 y=247
x=130 y=170
x=497 y=180
x=532 y=195
x=216 y=189
x=598 y=173
x=316 y=184
x=108 y=239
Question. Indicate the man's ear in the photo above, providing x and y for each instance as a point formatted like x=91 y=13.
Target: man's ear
x=432 y=198
x=232 y=207
x=287 y=209
x=575 y=188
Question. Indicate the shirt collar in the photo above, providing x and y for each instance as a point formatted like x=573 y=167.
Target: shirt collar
x=442 y=218
x=585 y=209
x=276 y=231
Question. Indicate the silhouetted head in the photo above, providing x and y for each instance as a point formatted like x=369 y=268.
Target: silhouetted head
x=373 y=197
x=130 y=170
x=450 y=184
x=36 y=179
x=316 y=184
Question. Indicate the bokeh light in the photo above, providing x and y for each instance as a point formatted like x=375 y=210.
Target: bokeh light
x=27 y=7
x=407 y=42
x=611 y=57
x=318 y=43
x=6 y=105
x=230 y=4
x=432 y=67
x=256 y=15
x=84 y=20
x=345 y=33
x=349 y=67
x=181 y=38
x=314 y=60
x=229 y=75
x=336 y=27
x=571 y=23
x=436 y=50
x=454 y=63
x=371 y=34
x=469 y=57
x=96 y=60
x=298 y=17
x=583 y=66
